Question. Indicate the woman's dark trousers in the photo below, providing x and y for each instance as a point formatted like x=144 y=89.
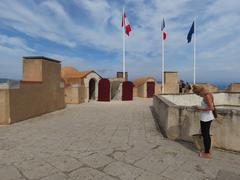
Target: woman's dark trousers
x=205 y=129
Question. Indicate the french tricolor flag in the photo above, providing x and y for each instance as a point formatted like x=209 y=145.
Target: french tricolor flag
x=126 y=24
x=164 y=34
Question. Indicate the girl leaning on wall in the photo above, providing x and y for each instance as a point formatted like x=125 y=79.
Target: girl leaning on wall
x=206 y=117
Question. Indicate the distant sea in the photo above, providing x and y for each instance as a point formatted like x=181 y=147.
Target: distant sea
x=221 y=86
x=2 y=80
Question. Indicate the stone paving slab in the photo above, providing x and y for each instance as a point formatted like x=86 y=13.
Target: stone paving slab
x=90 y=174
x=110 y=141
x=123 y=170
x=57 y=176
x=64 y=163
x=35 y=169
x=97 y=160
x=10 y=173
x=225 y=175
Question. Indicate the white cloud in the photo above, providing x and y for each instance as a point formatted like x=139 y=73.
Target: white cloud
x=216 y=31
x=99 y=11
x=220 y=7
x=12 y=49
x=33 y=20
x=14 y=42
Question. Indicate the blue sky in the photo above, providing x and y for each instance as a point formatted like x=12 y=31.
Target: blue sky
x=87 y=34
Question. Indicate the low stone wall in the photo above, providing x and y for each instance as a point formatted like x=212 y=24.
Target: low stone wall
x=135 y=92
x=116 y=89
x=141 y=91
x=158 y=88
x=171 y=88
x=30 y=100
x=192 y=99
x=74 y=94
x=20 y=100
x=4 y=106
x=181 y=121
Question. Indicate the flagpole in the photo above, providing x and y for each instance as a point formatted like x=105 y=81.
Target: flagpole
x=194 y=51
x=162 y=64
x=123 y=34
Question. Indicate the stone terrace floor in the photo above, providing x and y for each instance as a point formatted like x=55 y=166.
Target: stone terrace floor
x=104 y=141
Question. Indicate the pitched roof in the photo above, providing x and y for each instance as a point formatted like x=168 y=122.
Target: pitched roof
x=142 y=80
x=69 y=72
x=85 y=73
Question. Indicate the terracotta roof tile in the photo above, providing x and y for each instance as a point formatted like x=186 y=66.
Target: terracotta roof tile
x=69 y=72
x=85 y=73
x=73 y=72
x=141 y=80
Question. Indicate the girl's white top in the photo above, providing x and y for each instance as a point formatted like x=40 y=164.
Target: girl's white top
x=205 y=115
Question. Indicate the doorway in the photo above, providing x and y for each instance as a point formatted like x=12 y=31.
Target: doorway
x=104 y=90
x=150 y=89
x=92 y=89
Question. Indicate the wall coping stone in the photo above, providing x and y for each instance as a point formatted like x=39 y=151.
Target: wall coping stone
x=222 y=111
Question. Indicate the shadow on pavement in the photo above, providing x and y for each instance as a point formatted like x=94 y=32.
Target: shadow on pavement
x=185 y=144
x=158 y=127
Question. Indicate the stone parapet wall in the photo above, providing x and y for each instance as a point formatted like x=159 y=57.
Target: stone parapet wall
x=181 y=122
x=4 y=106
x=158 y=88
x=135 y=91
x=26 y=99
x=171 y=84
x=115 y=86
x=220 y=99
x=75 y=94
x=171 y=77
x=171 y=88
x=142 y=90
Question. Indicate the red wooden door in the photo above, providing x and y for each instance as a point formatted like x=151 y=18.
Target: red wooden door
x=127 y=91
x=150 y=89
x=104 y=90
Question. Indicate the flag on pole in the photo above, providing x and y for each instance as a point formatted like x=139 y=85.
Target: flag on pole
x=164 y=36
x=163 y=32
x=190 y=33
x=163 y=25
x=126 y=24
x=193 y=30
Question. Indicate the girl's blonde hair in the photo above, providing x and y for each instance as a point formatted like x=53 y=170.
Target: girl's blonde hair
x=197 y=89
